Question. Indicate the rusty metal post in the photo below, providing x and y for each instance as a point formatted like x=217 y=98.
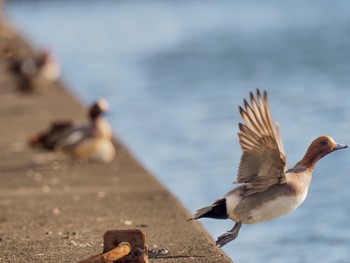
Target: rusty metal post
x=115 y=254
x=122 y=246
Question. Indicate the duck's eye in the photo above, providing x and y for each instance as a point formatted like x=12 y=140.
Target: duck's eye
x=325 y=142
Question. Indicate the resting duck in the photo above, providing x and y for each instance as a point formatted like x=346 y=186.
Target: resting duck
x=92 y=141
x=30 y=71
x=268 y=189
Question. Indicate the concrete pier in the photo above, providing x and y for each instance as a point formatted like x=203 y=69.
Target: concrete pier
x=57 y=210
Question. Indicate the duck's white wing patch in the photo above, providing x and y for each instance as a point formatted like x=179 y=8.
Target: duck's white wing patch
x=72 y=139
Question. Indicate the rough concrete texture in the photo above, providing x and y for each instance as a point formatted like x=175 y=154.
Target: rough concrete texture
x=54 y=210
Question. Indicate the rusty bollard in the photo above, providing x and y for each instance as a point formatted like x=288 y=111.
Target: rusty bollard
x=122 y=250
x=124 y=246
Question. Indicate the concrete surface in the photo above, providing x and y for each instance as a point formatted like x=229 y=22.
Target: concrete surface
x=57 y=210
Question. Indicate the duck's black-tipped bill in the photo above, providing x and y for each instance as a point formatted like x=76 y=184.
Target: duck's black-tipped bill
x=339 y=146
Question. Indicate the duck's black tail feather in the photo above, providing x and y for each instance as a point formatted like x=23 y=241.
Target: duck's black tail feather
x=48 y=139
x=217 y=210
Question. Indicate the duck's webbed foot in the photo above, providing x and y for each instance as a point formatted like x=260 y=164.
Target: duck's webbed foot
x=229 y=235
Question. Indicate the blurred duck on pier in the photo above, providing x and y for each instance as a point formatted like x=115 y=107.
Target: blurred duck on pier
x=91 y=141
x=33 y=73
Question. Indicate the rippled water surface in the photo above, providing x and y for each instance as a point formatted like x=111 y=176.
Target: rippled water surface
x=175 y=72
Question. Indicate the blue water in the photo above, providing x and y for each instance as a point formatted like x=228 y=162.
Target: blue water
x=175 y=72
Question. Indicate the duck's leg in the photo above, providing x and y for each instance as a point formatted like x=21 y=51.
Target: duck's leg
x=229 y=235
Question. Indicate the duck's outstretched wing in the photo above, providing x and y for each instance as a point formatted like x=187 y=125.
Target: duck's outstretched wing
x=263 y=160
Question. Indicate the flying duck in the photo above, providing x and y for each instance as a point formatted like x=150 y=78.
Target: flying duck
x=268 y=189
